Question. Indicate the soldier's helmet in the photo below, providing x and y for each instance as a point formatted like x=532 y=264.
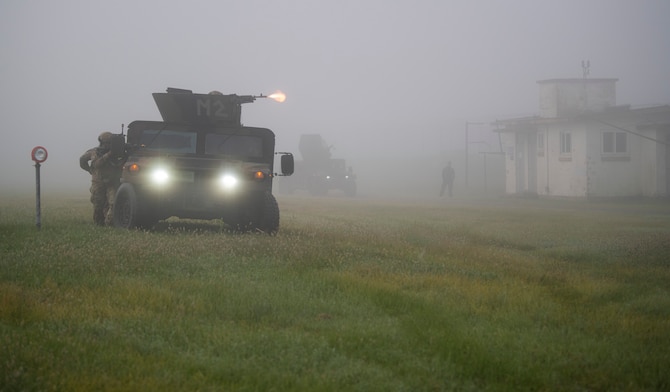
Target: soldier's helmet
x=215 y=92
x=105 y=138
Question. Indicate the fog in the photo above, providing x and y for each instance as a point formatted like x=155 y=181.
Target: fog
x=390 y=84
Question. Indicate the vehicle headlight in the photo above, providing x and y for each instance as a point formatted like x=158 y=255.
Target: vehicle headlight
x=160 y=176
x=228 y=181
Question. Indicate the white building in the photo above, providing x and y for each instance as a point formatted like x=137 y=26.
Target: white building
x=583 y=145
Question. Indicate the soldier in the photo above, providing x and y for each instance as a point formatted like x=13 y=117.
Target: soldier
x=105 y=170
x=448 y=175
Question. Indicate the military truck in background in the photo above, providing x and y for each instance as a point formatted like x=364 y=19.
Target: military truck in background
x=318 y=173
x=200 y=162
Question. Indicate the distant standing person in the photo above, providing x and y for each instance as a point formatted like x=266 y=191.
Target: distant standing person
x=448 y=175
x=105 y=170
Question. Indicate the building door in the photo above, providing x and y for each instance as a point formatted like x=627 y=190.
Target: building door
x=520 y=159
x=531 y=153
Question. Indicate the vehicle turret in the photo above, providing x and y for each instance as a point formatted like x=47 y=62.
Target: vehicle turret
x=183 y=106
x=314 y=148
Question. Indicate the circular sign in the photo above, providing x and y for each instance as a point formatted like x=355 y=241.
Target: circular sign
x=39 y=154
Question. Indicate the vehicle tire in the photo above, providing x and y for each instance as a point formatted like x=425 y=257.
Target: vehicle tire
x=127 y=209
x=262 y=215
x=269 y=219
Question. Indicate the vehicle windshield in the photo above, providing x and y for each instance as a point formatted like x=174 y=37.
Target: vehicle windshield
x=185 y=142
x=240 y=145
x=169 y=141
x=338 y=164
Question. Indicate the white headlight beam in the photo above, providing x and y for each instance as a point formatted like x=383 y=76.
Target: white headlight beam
x=228 y=181
x=160 y=176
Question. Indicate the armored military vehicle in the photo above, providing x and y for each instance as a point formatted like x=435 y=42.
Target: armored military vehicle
x=318 y=173
x=200 y=162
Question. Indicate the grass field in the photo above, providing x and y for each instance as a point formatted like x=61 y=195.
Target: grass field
x=351 y=295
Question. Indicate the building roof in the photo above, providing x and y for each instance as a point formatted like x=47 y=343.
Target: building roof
x=577 y=80
x=642 y=118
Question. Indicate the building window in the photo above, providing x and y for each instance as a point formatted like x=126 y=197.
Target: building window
x=566 y=143
x=615 y=142
x=540 y=144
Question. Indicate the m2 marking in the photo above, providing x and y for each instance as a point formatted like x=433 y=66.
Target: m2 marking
x=210 y=108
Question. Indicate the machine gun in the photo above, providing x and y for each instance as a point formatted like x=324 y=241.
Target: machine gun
x=183 y=106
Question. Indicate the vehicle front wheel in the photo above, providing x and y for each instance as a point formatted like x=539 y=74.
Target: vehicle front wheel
x=269 y=221
x=127 y=209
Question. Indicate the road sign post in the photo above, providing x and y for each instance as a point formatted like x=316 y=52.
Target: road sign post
x=38 y=155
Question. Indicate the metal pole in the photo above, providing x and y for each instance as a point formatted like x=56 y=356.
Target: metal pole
x=38 y=208
x=467 y=143
x=486 y=188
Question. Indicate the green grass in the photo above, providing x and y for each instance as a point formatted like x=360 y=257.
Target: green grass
x=352 y=294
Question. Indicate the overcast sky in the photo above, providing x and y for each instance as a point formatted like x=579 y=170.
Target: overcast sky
x=410 y=72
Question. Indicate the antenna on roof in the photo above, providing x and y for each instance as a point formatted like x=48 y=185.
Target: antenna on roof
x=586 y=68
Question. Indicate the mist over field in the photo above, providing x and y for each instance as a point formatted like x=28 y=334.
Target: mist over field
x=389 y=84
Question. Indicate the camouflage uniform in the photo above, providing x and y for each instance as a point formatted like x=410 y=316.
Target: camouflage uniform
x=105 y=172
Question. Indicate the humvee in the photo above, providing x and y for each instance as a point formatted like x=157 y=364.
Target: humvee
x=318 y=173
x=200 y=162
